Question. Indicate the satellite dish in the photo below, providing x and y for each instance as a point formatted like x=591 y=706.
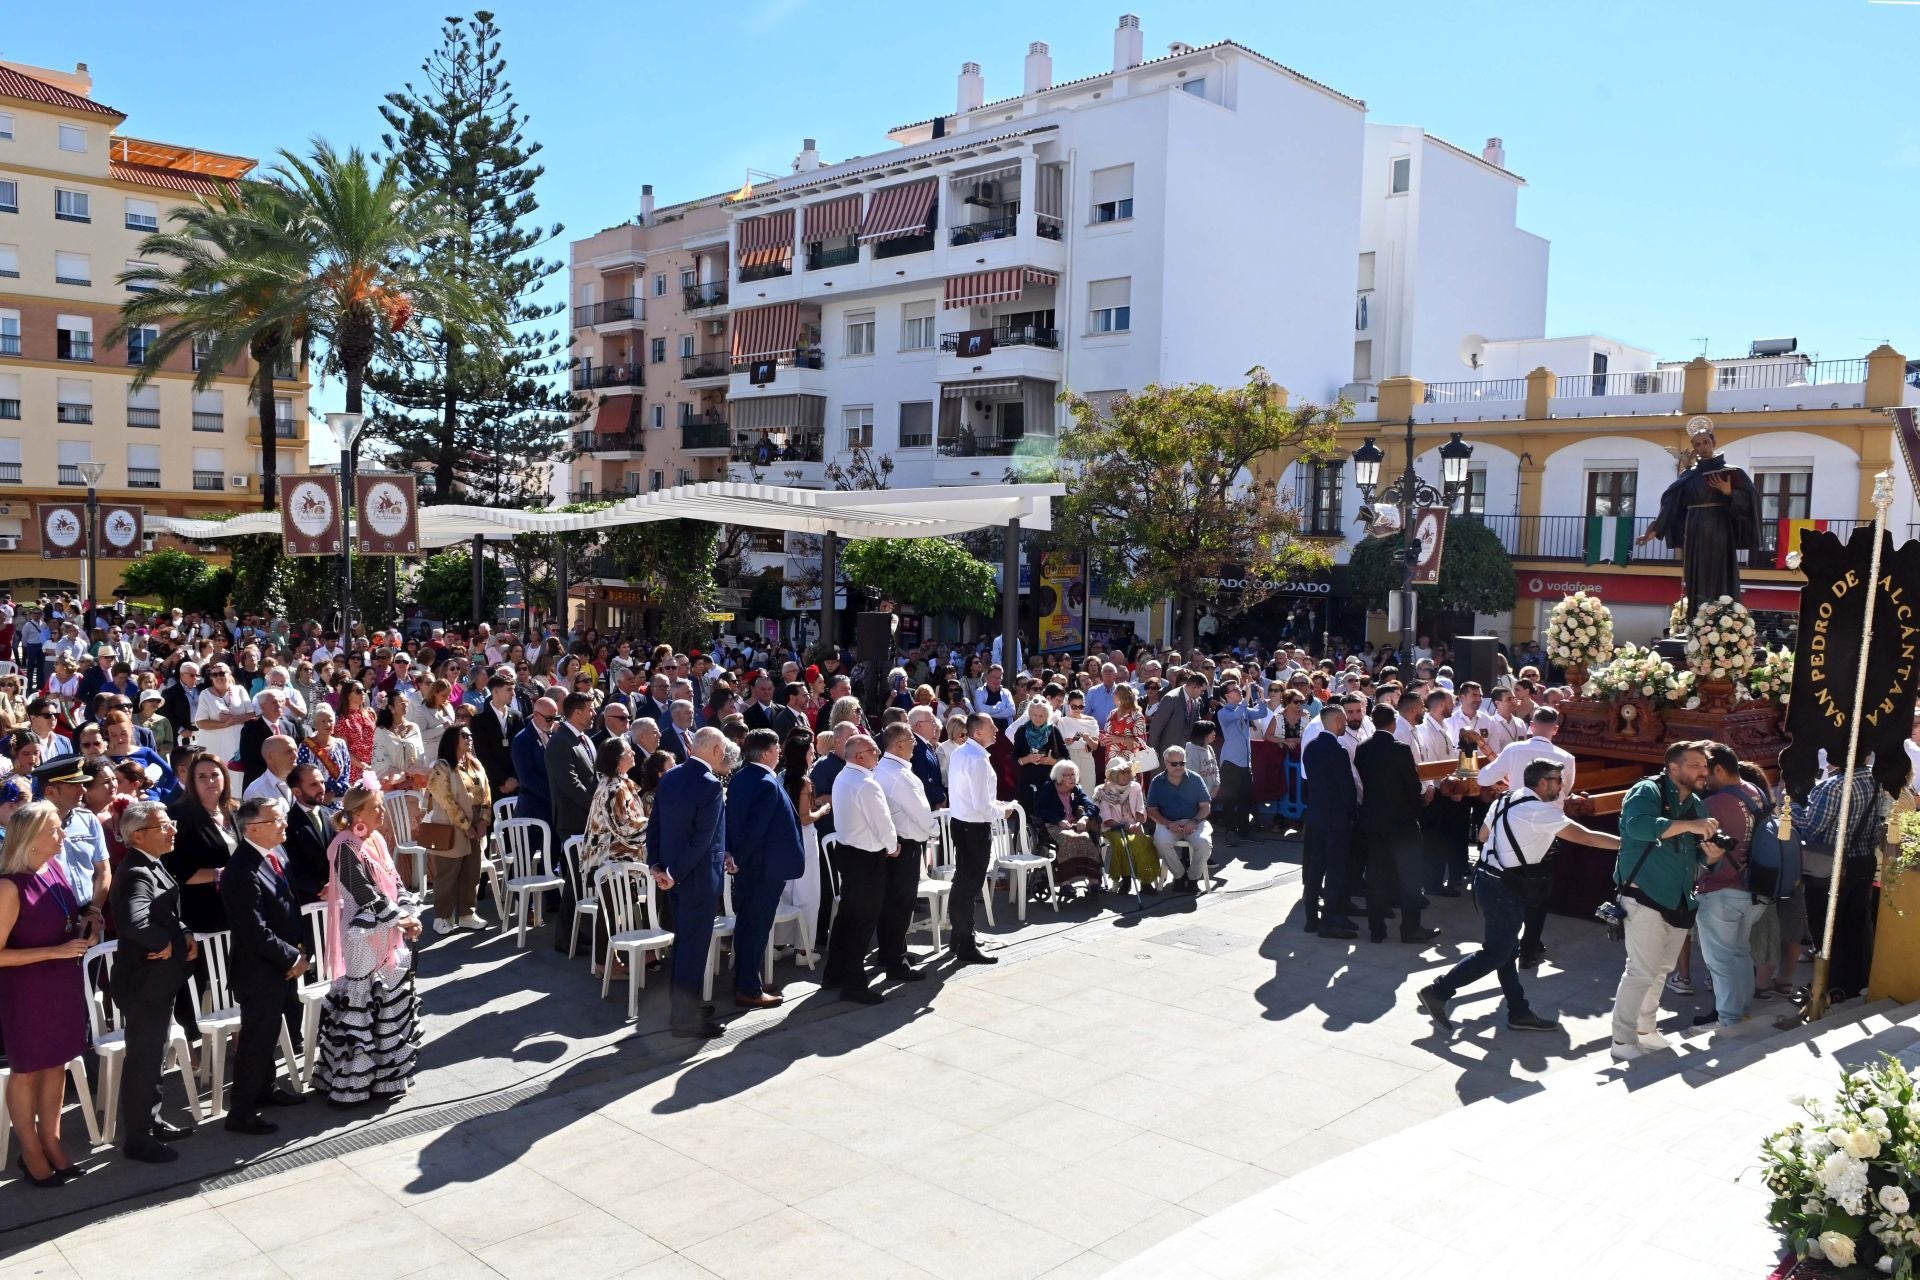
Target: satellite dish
x=1473 y=351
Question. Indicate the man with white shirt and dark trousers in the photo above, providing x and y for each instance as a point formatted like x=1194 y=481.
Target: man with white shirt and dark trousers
x=1515 y=843
x=913 y=824
x=973 y=806
x=1444 y=821
x=865 y=839
x=1508 y=770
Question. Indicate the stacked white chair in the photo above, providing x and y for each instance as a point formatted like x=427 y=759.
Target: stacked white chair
x=110 y=1044
x=404 y=808
x=526 y=846
x=587 y=905
x=315 y=983
x=1017 y=856
x=945 y=870
x=723 y=926
x=220 y=1019
x=625 y=891
x=936 y=892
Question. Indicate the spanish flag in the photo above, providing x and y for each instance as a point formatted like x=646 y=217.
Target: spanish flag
x=1789 y=540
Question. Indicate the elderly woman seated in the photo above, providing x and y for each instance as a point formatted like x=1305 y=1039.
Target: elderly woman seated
x=1068 y=823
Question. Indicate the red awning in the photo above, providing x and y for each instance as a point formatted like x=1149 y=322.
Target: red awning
x=760 y=332
x=614 y=417
x=766 y=239
x=985 y=287
x=904 y=210
x=832 y=219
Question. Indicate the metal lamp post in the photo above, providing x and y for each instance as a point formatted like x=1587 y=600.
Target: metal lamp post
x=1409 y=493
x=91 y=473
x=346 y=428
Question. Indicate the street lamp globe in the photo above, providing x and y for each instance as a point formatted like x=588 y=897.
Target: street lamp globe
x=1454 y=456
x=91 y=472
x=1366 y=466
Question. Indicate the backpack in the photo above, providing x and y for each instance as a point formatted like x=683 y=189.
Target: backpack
x=1773 y=860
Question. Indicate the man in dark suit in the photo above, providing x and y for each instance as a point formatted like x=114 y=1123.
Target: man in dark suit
x=1174 y=714
x=272 y=720
x=615 y=720
x=149 y=968
x=653 y=704
x=677 y=728
x=1392 y=794
x=790 y=717
x=926 y=755
x=627 y=691
x=759 y=713
x=530 y=761
x=265 y=960
x=686 y=848
x=494 y=728
x=570 y=784
x=309 y=833
x=765 y=851
x=1332 y=801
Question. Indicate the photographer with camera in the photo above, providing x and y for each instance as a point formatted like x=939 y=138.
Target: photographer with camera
x=1513 y=876
x=1663 y=822
x=1729 y=907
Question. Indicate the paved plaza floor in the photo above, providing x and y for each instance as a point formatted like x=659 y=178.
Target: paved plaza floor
x=1119 y=1076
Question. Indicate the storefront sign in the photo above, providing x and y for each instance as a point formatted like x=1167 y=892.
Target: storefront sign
x=1227 y=587
x=1636 y=588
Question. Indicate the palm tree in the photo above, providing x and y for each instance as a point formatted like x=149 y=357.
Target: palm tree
x=231 y=256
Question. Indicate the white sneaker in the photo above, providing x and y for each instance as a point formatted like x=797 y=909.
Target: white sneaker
x=1627 y=1052
x=1679 y=985
x=1655 y=1042
x=443 y=926
x=472 y=921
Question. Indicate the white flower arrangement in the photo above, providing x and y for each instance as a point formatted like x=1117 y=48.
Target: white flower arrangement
x=1645 y=672
x=1771 y=677
x=1579 y=632
x=1723 y=641
x=1846 y=1179
x=1677 y=617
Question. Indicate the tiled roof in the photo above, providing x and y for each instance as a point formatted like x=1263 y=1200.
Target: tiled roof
x=15 y=84
x=1218 y=44
x=884 y=160
x=171 y=179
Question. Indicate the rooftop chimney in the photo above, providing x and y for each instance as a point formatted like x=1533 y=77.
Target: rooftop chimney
x=1039 y=68
x=1178 y=47
x=973 y=87
x=1126 y=43
x=1494 y=153
x=809 y=157
x=646 y=203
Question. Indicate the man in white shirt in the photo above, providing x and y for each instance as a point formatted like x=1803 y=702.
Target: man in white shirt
x=1469 y=723
x=913 y=823
x=1508 y=770
x=1409 y=717
x=866 y=839
x=1515 y=842
x=973 y=806
x=219 y=714
x=279 y=754
x=992 y=698
x=1504 y=728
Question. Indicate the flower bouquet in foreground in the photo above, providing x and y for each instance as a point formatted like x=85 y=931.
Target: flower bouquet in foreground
x=1723 y=641
x=1579 y=635
x=1645 y=672
x=1844 y=1178
x=1771 y=678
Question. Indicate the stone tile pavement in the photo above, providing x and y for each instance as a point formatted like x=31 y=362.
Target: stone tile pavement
x=1120 y=1076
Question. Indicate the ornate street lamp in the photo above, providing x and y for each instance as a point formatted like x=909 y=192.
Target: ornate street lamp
x=91 y=473
x=1409 y=493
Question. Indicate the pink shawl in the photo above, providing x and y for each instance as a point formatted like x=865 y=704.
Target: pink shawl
x=377 y=864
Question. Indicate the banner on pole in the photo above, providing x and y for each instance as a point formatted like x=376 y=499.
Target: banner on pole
x=310 y=518
x=1430 y=529
x=121 y=527
x=389 y=515
x=1062 y=602
x=63 y=530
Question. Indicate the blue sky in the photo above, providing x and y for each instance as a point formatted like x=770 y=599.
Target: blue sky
x=1706 y=169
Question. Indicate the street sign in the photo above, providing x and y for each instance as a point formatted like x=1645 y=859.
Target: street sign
x=63 y=530
x=719 y=617
x=310 y=514
x=120 y=529
x=389 y=523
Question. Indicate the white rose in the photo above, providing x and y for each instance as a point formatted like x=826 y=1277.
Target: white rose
x=1726 y=599
x=1878 y=1119
x=1893 y=1199
x=1885 y=1265
x=1837 y=1248
x=1861 y=1145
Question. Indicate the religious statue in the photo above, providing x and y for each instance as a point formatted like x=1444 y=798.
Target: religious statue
x=1709 y=514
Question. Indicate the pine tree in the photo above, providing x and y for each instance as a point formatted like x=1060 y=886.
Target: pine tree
x=483 y=419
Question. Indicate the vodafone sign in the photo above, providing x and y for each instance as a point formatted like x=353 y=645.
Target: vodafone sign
x=1634 y=588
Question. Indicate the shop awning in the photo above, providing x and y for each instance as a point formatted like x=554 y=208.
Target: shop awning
x=759 y=332
x=832 y=219
x=1004 y=389
x=615 y=416
x=983 y=288
x=797 y=411
x=904 y=210
x=766 y=239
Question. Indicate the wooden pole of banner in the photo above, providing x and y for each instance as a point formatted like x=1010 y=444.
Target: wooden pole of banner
x=479 y=578
x=1817 y=993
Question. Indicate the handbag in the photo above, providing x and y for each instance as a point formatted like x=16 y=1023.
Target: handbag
x=1145 y=760
x=435 y=837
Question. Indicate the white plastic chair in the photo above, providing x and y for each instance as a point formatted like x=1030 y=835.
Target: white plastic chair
x=935 y=892
x=945 y=870
x=1020 y=860
x=587 y=905
x=403 y=810
x=505 y=809
x=315 y=983
x=221 y=1019
x=526 y=845
x=723 y=926
x=802 y=922
x=632 y=918
x=832 y=887
x=110 y=1045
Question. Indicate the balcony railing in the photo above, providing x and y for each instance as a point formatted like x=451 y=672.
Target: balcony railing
x=759 y=449
x=1635 y=382
x=142 y=417
x=75 y=413
x=703 y=435
x=286 y=429
x=766 y=270
x=987 y=229
x=1565 y=538
x=143 y=477
x=901 y=246
x=707 y=364
x=206 y=480
x=1770 y=374
x=610 y=442
x=589 y=375
x=9 y=409
x=70 y=474
x=137 y=355
x=965 y=444
x=612 y=311
x=9 y=473
x=1004 y=335
x=1471 y=392
x=599 y=567
x=711 y=294
x=9 y=344
x=209 y=421
x=80 y=349
x=840 y=256
x=1048 y=226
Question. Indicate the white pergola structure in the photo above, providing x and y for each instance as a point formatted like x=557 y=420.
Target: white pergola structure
x=830 y=515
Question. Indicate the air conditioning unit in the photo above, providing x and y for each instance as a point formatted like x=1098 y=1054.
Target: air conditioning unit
x=6 y=508
x=983 y=193
x=238 y=481
x=715 y=328
x=1645 y=384
x=9 y=542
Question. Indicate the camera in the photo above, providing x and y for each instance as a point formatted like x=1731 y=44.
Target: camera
x=1614 y=916
x=1723 y=841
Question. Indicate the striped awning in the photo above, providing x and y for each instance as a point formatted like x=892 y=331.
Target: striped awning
x=985 y=287
x=759 y=332
x=1005 y=389
x=1050 y=198
x=616 y=415
x=832 y=219
x=905 y=210
x=799 y=411
x=768 y=238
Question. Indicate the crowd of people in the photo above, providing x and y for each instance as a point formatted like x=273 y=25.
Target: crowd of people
x=177 y=781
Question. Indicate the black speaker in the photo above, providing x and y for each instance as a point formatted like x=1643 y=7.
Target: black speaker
x=1473 y=660
x=874 y=632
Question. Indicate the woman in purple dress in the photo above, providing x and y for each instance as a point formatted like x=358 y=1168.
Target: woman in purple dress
x=43 y=1012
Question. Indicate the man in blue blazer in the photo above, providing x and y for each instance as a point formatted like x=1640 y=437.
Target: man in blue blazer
x=265 y=959
x=1333 y=801
x=764 y=852
x=529 y=749
x=686 y=848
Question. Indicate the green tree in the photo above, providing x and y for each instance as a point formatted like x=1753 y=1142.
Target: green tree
x=1476 y=575
x=483 y=425
x=170 y=576
x=1161 y=490
x=445 y=589
x=934 y=575
x=675 y=562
